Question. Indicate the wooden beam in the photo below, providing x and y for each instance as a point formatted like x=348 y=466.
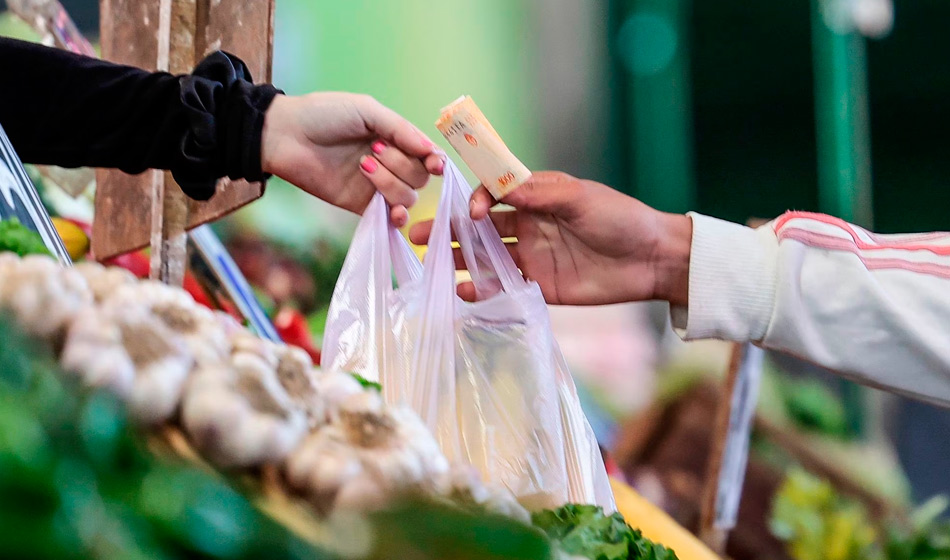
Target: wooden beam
x=129 y=32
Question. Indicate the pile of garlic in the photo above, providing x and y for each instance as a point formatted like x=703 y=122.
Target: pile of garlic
x=243 y=402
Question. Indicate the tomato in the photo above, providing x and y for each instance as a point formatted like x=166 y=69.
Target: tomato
x=136 y=262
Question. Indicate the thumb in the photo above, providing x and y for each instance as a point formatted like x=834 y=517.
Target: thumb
x=545 y=191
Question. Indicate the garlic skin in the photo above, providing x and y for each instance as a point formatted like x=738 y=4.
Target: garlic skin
x=230 y=325
x=241 y=416
x=8 y=260
x=369 y=455
x=43 y=297
x=94 y=353
x=132 y=353
x=246 y=342
x=297 y=376
x=103 y=281
x=201 y=329
x=335 y=388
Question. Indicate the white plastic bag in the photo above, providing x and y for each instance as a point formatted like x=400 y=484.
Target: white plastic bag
x=487 y=377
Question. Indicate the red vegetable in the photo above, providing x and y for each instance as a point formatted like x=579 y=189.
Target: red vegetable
x=193 y=287
x=138 y=263
x=291 y=326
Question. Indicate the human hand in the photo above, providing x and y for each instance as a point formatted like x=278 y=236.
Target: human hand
x=585 y=243
x=343 y=147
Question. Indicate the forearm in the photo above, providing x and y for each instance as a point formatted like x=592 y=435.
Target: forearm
x=72 y=111
x=873 y=308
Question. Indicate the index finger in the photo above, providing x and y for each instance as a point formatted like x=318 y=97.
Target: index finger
x=391 y=126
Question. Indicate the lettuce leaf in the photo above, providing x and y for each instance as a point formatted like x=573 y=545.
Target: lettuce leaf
x=584 y=530
x=17 y=238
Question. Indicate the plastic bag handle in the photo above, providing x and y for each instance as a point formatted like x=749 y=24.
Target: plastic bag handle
x=484 y=252
x=377 y=251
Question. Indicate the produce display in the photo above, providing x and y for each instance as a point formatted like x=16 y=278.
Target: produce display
x=260 y=411
x=78 y=483
x=818 y=523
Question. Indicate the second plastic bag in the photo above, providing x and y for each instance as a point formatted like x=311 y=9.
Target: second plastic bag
x=487 y=377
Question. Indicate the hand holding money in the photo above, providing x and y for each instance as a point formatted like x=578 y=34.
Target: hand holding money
x=473 y=137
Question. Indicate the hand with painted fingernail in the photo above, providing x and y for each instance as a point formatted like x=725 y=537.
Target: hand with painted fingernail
x=344 y=147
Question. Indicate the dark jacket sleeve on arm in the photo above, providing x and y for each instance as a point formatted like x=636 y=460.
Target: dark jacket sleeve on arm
x=64 y=109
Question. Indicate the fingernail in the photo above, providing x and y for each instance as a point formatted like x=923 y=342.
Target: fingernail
x=471 y=206
x=378 y=147
x=442 y=166
x=368 y=164
x=426 y=142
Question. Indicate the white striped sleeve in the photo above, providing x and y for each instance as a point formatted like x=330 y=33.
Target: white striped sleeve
x=875 y=308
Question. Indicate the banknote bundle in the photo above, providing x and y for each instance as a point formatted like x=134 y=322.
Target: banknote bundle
x=473 y=137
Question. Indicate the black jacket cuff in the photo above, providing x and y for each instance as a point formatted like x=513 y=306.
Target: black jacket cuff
x=225 y=115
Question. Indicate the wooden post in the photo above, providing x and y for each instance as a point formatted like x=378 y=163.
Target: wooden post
x=176 y=54
x=177 y=34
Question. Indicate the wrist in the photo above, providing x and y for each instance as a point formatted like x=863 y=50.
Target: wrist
x=671 y=259
x=272 y=132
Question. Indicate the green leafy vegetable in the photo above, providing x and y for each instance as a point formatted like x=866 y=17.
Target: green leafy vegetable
x=814 y=407
x=366 y=383
x=818 y=524
x=929 y=537
x=427 y=530
x=815 y=522
x=584 y=530
x=17 y=238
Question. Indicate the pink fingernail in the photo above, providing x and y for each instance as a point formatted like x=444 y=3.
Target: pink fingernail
x=378 y=147
x=368 y=164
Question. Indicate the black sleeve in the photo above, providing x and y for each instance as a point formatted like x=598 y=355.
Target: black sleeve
x=64 y=109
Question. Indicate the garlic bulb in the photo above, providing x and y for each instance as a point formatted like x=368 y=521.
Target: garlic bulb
x=132 y=353
x=370 y=455
x=103 y=280
x=201 y=330
x=247 y=344
x=335 y=388
x=8 y=260
x=43 y=296
x=241 y=416
x=296 y=374
x=228 y=323
x=465 y=485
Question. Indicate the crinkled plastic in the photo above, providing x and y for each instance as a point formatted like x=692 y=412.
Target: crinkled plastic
x=487 y=377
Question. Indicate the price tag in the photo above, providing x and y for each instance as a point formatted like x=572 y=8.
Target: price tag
x=745 y=395
x=20 y=200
